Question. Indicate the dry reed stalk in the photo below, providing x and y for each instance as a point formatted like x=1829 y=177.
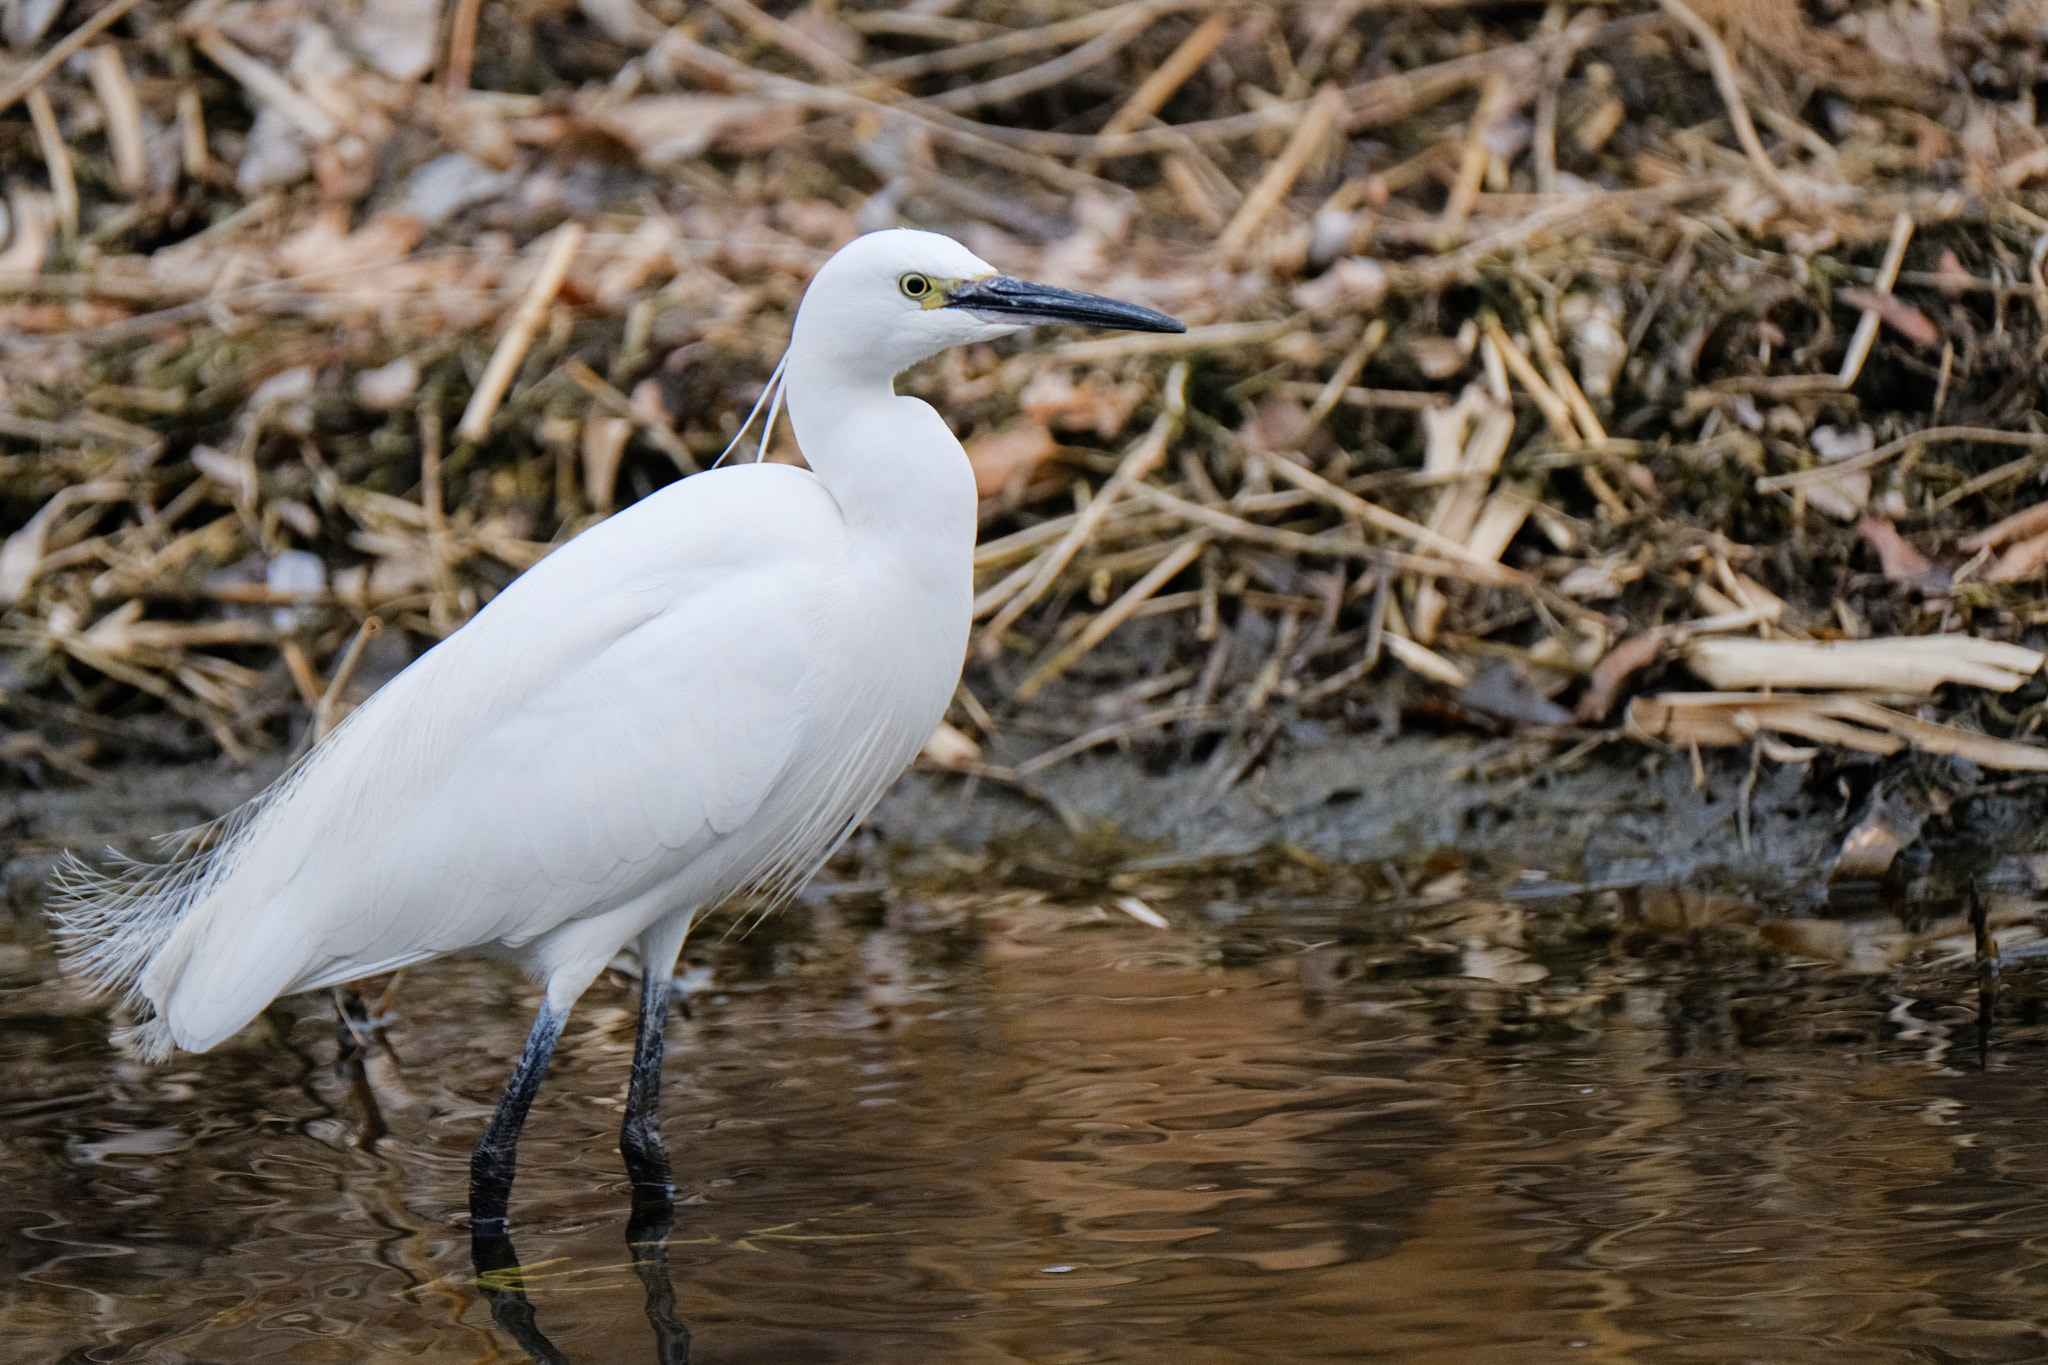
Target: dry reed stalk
x=460 y=54
x=57 y=160
x=1091 y=53
x=962 y=135
x=1721 y=719
x=1992 y=435
x=1730 y=87
x=1480 y=568
x=1025 y=41
x=1866 y=325
x=790 y=39
x=1548 y=402
x=1099 y=627
x=1339 y=382
x=33 y=75
x=2021 y=525
x=1306 y=140
x=1421 y=659
x=1566 y=386
x=193 y=157
x=1916 y=664
x=1130 y=474
x=1165 y=79
x=124 y=119
x=266 y=85
x=329 y=713
x=660 y=433
x=519 y=332
x=1151 y=720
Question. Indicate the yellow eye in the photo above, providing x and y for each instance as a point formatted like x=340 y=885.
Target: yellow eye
x=916 y=286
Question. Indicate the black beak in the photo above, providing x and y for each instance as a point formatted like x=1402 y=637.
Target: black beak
x=1007 y=298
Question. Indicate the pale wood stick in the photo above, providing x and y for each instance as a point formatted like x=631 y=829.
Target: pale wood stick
x=1286 y=169
x=1130 y=474
x=1887 y=275
x=1114 y=615
x=32 y=75
x=519 y=333
x=124 y=119
x=50 y=142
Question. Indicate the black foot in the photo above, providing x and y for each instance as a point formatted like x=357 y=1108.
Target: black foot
x=646 y=1160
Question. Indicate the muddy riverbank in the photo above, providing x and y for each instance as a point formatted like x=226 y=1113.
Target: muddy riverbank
x=1601 y=816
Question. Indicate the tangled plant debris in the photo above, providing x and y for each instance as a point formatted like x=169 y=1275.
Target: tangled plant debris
x=1545 y=362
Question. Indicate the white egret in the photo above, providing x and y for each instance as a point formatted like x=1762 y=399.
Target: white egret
x=698 y=697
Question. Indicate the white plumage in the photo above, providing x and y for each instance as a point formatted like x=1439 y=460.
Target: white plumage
x=702 y=694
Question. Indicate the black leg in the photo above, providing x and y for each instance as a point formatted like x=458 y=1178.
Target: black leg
x=496 y=1157
x=640 y=1135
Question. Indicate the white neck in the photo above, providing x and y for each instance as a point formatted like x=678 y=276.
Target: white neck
x=890 y=462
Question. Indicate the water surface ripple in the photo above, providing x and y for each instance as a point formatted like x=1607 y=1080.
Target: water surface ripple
x=1000 y=1129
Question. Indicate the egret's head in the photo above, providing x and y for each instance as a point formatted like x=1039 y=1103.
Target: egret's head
x=887 y=300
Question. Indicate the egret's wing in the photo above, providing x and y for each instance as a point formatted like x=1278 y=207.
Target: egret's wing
x=630 y=764
x=619 y=711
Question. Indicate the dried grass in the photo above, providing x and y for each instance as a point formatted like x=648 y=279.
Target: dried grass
x=1527 y=348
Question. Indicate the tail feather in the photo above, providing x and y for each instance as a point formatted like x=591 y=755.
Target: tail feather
x=111 y=923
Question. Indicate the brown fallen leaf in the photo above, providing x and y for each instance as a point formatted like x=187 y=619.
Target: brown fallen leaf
x=2022 y=560
x=1003 y=458
x=1902 y=317
x=1615 y=667
x=1955 y=280
x=1901 y=562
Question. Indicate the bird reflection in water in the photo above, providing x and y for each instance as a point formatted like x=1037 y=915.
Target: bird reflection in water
x=501 y=1278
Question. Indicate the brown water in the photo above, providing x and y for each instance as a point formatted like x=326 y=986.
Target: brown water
x=1457 y=1127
